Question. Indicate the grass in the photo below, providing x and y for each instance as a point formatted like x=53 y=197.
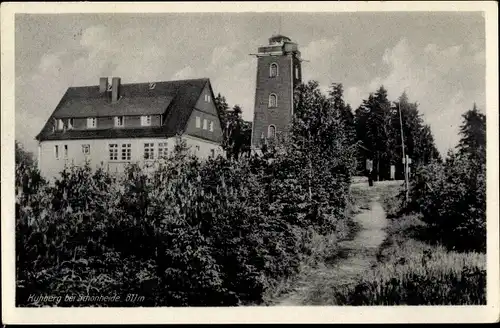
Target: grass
x=406 y=269
x=410 y=271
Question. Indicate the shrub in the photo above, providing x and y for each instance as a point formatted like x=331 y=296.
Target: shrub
x=452 y=199
x=190 y=232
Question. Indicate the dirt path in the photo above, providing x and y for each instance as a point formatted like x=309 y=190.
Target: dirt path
x=357 y=256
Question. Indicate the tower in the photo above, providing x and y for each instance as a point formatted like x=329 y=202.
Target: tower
x=278 y=73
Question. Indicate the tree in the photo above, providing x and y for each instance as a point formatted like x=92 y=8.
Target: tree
x=374 y=128
x=237 y=133
x=222 y=107
x=23 y=157
x=418 y=139
x=319 y=140
x=343 y=111
x=473 y=134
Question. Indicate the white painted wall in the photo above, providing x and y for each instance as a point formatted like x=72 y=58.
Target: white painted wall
x=50 y=166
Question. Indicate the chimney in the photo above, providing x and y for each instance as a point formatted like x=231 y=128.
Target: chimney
x=115 y=91
x=103 y=85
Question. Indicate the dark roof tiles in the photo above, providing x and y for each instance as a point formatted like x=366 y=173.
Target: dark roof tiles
x=98 y=107
x=174 y=99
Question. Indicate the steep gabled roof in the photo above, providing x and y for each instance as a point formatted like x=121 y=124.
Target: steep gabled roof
x=99 y=107
x=174 y=99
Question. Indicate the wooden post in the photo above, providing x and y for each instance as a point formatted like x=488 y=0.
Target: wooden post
x=404 y=156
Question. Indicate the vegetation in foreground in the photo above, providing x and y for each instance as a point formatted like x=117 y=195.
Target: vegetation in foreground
x=409 y=269
x=435 y=250
x=227 y=232
x=218 y=232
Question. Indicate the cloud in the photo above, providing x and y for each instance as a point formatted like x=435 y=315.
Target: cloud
x=438 y=78
x=185 y=73
x=223 y=55
x=49 y=61
x=321 y=56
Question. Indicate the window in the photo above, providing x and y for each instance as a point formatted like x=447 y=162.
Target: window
x=70 y=123
x=271 y=131
x=198 y=122
x=91 y=122
x=56 y=151
x=149 y=151
x=113 y=152
x=273 y=100
x=146 y=120
x=119 y=121
x=211 y=126
x=205 y=124
x=65 y=151
x=60 y=124
x=296 y=72
x=86 y=149
x=162 y=150
x=126 y=152
x=212 y=152
x=273 y=70
x=208 y=98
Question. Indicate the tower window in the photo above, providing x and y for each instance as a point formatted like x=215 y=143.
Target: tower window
x=273 y=70
x=297 y=72
x=271 y=131
x=273 y=100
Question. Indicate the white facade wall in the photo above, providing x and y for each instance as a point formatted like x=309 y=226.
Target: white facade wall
x=50 y=166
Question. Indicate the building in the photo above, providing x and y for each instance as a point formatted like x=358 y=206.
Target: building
x=278 y=73
x=114 y=124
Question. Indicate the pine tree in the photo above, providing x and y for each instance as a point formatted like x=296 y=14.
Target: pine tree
x=343 y=111
x=418 y=139
x=237 y=133
x=473 y=134
x=222 y=108
x=374 y=120
x=318 y=150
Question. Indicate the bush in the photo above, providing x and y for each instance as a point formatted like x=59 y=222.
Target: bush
x=217 y=232
x=452 y=199
x=190 y=232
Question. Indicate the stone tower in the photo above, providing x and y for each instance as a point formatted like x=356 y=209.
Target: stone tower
x=278 y=72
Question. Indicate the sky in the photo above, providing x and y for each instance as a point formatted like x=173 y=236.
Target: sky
x=437 y=58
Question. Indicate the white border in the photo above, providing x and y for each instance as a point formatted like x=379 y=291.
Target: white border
x=403 y=314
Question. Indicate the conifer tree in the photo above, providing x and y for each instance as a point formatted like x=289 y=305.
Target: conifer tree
x=473 y=134
x=343 y=111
